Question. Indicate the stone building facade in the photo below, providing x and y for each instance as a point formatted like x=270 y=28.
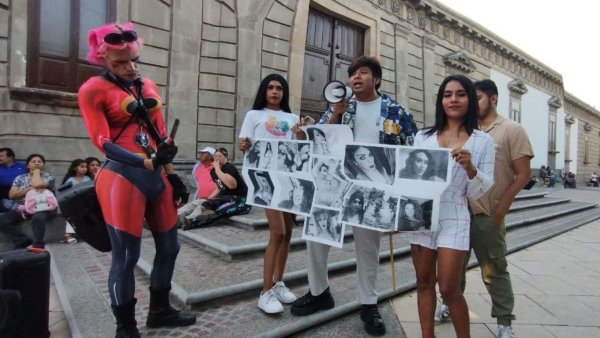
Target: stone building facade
x=208 y=57
x=583 y=126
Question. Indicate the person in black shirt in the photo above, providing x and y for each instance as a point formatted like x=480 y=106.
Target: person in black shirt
x=228 y=199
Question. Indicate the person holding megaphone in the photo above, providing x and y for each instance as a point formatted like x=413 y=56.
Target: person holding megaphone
x=374 y=118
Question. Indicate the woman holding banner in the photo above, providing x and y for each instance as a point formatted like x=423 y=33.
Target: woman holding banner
x=473 y=151
x=271 y=118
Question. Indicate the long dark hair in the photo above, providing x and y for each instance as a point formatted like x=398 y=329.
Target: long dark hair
x=409 y=170
x=357 y=194
x=72 y=168
x=469 y=121
x=311 y=133
x=353 y=170
x=307 y=198
x=260 y=101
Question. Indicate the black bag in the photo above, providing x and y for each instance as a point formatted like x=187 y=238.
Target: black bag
x=79 y=205
x=25 y=284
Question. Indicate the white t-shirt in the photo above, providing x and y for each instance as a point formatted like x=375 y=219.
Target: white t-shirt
x=266 y=123
x=367 y=118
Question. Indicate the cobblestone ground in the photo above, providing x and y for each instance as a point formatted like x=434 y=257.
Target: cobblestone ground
x=224 y=318
x=198 y=270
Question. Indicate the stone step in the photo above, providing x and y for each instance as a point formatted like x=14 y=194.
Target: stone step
x=193 y=279
x=81 y=285
x=530 y=203
x=533 y=193
x=230 y=241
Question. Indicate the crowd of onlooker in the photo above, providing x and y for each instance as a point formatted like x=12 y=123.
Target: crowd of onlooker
x=27 y=191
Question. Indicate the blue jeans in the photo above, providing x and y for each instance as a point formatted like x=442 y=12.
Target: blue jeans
x=10 y=221
x=6 y=205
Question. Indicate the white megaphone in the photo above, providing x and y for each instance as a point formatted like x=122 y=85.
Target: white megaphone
x=335 y=91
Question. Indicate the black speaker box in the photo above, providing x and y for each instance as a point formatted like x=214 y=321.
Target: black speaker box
x=27 y=273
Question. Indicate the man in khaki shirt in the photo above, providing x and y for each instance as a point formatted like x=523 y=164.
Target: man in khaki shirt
x=488 y=231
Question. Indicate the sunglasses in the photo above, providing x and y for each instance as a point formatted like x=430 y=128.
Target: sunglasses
x=119 y=38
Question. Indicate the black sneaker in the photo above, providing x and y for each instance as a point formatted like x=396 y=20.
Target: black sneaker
x=309 y=304
x=374 y=324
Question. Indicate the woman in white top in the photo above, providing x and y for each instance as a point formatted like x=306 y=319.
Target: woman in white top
x=271 y=118
x=472 y=174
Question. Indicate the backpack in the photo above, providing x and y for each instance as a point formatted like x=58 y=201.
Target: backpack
x=37 y=200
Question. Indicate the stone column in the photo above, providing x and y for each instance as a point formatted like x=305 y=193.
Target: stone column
x=429 y=86
x=183 y=77
x=402 y=33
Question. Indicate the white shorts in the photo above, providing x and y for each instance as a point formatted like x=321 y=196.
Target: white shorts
x=450 y=234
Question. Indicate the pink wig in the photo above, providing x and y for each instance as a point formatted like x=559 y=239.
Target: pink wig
x=98 y=47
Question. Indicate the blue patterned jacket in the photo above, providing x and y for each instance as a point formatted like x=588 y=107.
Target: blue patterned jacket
x=396 y=124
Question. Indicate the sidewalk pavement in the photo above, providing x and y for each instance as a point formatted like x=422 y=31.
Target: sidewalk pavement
x=58 y=324
x=556 y=286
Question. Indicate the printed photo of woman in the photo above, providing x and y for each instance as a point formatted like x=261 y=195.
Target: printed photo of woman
x=299 y=197
x=252 y=159
x=370 y=163
x=353 y=210
x=320 y=145
x=329 y=182
x=323 y=227
x=263 y=187
x=415 y=214
x=267 y=155
x=421 y=165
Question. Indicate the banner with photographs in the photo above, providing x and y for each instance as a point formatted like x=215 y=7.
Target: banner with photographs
x=334 y=182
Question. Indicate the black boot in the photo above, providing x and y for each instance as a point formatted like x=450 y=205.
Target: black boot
x=126 y=324
x=162 y=314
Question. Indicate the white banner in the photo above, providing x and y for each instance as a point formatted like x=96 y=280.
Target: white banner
x=333 y=181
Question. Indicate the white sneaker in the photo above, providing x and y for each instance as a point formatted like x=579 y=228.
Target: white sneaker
x=442 y=313
x=284 y=294
x=505 y=331
x=268 y=303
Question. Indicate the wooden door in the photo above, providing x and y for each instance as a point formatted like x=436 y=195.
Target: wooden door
x=331 y=45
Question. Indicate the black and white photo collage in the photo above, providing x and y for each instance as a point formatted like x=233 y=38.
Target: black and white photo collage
x=279 y=175
x=334 y=182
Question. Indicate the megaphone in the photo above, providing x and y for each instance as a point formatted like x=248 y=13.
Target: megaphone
x=335 y=91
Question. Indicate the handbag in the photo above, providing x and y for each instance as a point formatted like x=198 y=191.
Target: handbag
x=80 y=207
x=37 y=200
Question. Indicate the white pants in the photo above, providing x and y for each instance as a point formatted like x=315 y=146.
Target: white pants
x=367 y=256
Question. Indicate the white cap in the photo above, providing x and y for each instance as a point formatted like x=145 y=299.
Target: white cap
x=209 y=150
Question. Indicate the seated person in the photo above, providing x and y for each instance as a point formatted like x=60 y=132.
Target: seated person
x=204 y=184
x=9 y=170
x=594 y=180
x=35 y=178
x=570 y=181
x=228 y=199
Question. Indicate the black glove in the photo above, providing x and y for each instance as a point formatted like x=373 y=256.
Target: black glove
x=180 y=190
x=164 y=154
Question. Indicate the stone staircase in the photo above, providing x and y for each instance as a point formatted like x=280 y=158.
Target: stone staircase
x=219 y=274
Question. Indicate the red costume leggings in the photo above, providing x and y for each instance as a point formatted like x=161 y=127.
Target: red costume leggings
x=127 y=196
